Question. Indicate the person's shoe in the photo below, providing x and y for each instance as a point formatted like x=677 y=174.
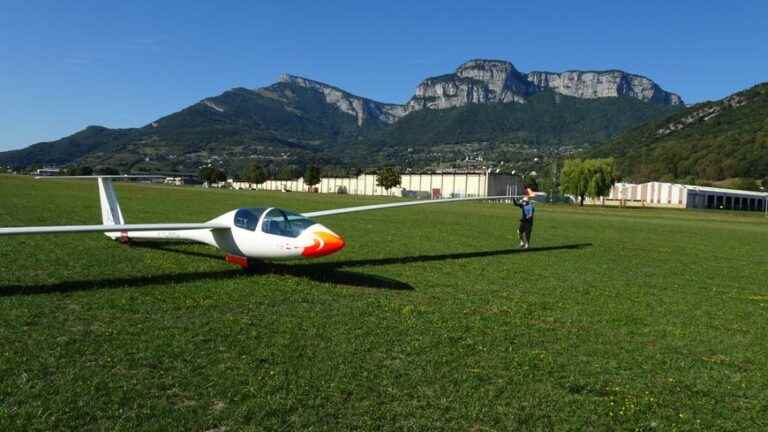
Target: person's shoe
x=522 y=243
x=525 y=246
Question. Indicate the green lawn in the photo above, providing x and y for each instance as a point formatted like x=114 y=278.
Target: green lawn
x=430 y=319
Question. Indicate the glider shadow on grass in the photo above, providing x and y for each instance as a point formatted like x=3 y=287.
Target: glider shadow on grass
x=324 y=272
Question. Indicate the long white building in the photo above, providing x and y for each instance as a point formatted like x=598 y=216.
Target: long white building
x=446 y=185
x=659 y=194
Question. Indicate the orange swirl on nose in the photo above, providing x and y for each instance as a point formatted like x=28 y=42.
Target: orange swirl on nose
x=323 y=244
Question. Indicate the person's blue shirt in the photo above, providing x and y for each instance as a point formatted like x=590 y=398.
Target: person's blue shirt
x=527 y=210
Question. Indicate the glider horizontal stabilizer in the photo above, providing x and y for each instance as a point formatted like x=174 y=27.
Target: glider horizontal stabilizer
x=401 y=204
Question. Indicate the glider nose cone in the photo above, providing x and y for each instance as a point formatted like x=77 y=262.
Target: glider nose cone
x=323 y=243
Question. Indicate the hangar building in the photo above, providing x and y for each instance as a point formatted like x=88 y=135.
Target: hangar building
x=659 y=194
x=426 y=185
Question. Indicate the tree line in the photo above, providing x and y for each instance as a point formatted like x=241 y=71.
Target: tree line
x=387 y=177
x=579 y=177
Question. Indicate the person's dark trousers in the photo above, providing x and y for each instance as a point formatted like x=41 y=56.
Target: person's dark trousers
x=525 y=229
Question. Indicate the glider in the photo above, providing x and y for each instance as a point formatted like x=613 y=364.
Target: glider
x=243 y=234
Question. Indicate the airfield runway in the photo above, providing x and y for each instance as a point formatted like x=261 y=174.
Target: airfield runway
x=431 y=318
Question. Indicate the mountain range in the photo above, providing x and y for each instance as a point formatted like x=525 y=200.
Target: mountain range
x=485 y=109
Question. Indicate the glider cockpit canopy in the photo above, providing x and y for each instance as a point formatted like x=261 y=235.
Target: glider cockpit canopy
x=248 y=218
x=274 y=221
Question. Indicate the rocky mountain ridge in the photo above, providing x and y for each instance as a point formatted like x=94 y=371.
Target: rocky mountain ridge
x=597 y=84
x=476 y=81
x=491 y=81
x=360 y=107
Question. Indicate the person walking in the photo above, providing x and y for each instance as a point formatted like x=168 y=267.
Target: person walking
x=526 y=221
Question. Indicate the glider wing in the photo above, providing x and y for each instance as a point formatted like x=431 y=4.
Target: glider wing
x=400 y=204
x=91 y=177
x=74 y=229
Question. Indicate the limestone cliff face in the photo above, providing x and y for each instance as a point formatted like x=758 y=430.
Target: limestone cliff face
x=477 y=81
x=496 y=81
x=613 y=83
x=491 y=81
x=363 y=109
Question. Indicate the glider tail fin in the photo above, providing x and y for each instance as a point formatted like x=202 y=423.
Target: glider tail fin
x=110 y=207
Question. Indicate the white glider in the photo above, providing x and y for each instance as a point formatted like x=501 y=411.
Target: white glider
x=259 y=233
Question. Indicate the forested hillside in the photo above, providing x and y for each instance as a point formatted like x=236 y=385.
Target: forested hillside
x=708 y=141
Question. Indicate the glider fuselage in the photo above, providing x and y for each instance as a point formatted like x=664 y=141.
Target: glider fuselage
x=255 y=233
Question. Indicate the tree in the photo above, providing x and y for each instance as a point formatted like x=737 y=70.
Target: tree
x=388 y=178
x=106 y=171
x=212 y=175
x=80 y=171
x=312 y=175
x=287 y=172
x=688 y=180
x=548 y=180
x=588 y=177
x=745 y=183
x=574 y=179
x=255 y=173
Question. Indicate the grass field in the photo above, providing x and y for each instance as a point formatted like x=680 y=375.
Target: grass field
x=430 y=319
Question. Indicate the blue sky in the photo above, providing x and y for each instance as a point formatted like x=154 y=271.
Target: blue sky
x=66 y=65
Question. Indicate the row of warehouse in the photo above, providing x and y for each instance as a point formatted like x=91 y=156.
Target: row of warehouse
x=448 y=185
x=453 y=185
x=659 y=194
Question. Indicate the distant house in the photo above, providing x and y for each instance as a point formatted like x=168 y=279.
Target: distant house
x=177 y=181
